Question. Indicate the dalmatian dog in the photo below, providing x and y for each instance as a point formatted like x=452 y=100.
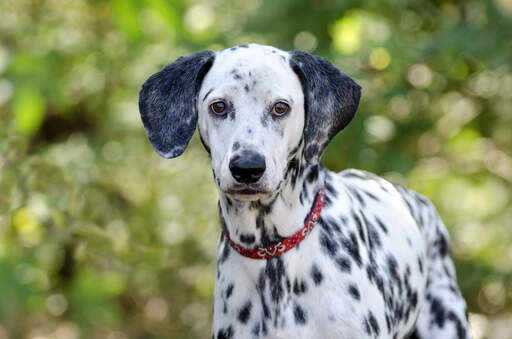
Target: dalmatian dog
x=304 y=252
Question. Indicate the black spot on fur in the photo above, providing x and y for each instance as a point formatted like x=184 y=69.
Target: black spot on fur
x=354 y=292
x=256 y=330
x=264 y=120
x=420 y=265
x=247 y=238
x=245 y=312
x=437 y=311
x=344 y=264
x=299 y=314
x=414 y=335
x=246 y=88
x=229 y=290
x=393 y=272
x=275 y=273
x=352 y=247
x=225 y=253
x=299 y=287
x=356 y=194
x=225 y=333
x=442 y=246
x=373 y=323
x=328 y=245
x=374 y=236
x=330 y=190
x=236 y=146
x=313 y=174
x=381 y=225
x=316 y=275
x=461 y=330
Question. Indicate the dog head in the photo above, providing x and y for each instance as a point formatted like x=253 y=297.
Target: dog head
x=257 y=108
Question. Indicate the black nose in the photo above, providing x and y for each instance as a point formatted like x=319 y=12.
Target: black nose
x=247 y=168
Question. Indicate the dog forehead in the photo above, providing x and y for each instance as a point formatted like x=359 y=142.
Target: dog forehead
x=252 y=60
x=252 y=66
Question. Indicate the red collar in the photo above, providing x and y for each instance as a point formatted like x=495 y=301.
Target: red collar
x=287 y=244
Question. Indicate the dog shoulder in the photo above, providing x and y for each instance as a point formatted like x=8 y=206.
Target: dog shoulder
x=376 y=192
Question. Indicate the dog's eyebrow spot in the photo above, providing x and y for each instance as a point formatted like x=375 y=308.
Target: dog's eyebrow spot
x=235 y=73
x=236 y=146
x=264 y=120
x=207 y=93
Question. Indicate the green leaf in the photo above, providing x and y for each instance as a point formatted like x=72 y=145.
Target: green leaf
x=29 y=107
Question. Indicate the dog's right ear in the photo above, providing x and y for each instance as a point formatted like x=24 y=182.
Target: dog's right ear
x=167 y=103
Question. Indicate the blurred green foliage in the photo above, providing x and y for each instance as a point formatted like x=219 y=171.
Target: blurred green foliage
x=101 y=238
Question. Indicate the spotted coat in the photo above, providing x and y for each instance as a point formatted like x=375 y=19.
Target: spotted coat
x=377 y=264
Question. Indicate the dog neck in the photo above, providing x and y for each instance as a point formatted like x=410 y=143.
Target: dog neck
x=263 y=222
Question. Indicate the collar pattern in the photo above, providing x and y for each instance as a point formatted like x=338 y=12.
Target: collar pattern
x=287 y=244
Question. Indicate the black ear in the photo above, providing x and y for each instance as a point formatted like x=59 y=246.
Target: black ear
x=331 y=100
x=167 y=103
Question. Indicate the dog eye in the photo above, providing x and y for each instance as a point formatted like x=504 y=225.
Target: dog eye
x=280 y=108
x=218 y=107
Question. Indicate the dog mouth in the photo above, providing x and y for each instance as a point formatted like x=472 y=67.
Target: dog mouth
x=246 y=192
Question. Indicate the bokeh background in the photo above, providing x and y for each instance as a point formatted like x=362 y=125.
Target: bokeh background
x=102 y=238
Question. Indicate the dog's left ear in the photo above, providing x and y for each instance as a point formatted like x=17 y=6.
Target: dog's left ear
x=167 y=103
x=331 y=99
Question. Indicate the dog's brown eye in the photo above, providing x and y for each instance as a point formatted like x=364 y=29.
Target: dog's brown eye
x=218 y=107
x=280 y=108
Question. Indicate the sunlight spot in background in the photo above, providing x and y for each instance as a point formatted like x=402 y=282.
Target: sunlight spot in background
x=492 y=296
x=119 y=234
x=458 y=111
x=478 y=325
x=29 y=275
x=346 y=33
x=379 y=128
x=506 y=5
x=410 y=21
x=471 y=237
x=399 y=107
x=56 y=304
x=378 y=29
x=172 y=233
x=199 y=18
x=380 y=58
x=156 y=309
x=419 y=75
x=6 y=90
x=112 y=151
x=305 y=41
x=66 y=330
x=485 y=84
x=474 y=200
x=30 y=232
